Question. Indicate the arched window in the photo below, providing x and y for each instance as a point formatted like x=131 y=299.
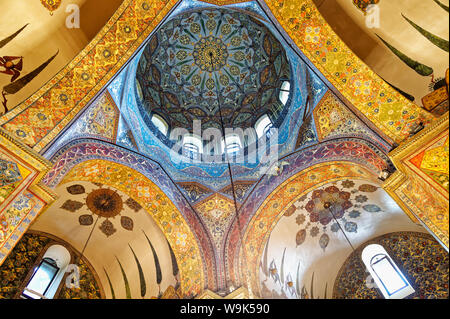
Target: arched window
x=139 y=90
x=284 y=92
x=192 y=146
x=388 y=277
x=160 y=124
x=231 y=144
x=47 y=276
x=263 y=125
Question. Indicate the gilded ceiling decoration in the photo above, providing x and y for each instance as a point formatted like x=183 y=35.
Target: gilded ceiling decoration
x=331 y=209
x=9 y=173
x=203 y=61
x=156 y=203
x=104 y=204
x=324 y=225
x=420 y=185
x=374 y=98
x=51 y=5
x=422 y=260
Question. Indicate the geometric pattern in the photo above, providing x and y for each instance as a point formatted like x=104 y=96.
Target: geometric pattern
x=387 y=109
x=217 y=212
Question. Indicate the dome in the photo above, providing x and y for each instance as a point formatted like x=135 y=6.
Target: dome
x=213 y=65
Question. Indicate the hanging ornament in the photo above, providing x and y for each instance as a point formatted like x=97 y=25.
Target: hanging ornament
x=51 y=5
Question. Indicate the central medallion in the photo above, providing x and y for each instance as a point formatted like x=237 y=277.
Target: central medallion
x=204 y=60
x=210 y=54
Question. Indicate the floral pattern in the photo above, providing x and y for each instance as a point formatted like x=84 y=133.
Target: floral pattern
x=420 y=258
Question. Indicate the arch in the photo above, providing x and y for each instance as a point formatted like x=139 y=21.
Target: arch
x=91 y=70
x=158 y=206
x=263 y=125
x=258 y=229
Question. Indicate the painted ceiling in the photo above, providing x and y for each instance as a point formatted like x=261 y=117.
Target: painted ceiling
x=128 y=250
x=406 y=42
x=117 y=177
x=38 y=42
x=207 y=63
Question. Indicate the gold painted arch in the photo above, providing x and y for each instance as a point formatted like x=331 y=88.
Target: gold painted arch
x=39 y=119
x=158 y=206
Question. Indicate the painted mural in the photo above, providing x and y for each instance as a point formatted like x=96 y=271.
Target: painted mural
x=421 y=259
x=404 y=42
x=131 y=255
x=214 y=58
x=13 y=66
x=323 y=224
x=420 y=185
x=86 y=77
x=22 y=196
